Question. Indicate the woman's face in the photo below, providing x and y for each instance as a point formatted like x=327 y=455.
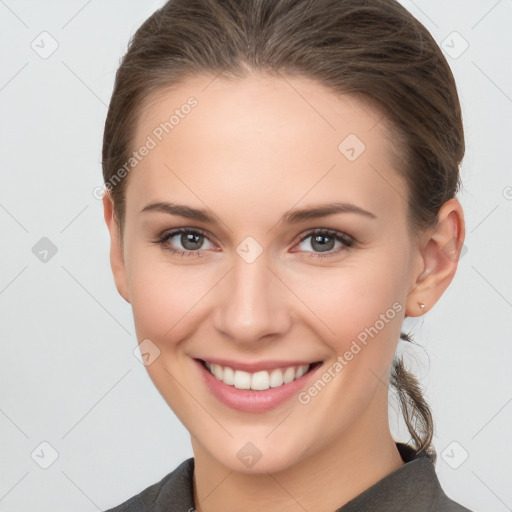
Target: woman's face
x=253 y=282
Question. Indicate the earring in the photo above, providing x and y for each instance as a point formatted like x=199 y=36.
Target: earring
x=421 y=305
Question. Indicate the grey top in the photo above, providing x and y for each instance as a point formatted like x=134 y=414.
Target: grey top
x=413 y=487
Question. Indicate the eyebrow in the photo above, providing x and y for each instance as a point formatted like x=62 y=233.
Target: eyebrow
x=293 y=216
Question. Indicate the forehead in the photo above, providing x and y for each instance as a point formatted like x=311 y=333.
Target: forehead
x=269 y=140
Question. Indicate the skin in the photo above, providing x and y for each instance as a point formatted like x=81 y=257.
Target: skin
x=251 y=150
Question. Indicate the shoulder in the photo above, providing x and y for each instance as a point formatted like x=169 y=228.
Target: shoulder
x=445 y=504
x=175 y=486
x=416 y=485
x=440 y=501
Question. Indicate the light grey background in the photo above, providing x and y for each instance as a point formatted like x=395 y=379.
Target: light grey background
x=68 y=374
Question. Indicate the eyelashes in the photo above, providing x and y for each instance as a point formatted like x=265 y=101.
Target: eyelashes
x=164 y=238
x=195 y=235
x=345 y=240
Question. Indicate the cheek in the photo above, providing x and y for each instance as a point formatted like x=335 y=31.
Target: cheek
x=165 y=299
x=344 y=302
x=339 y=304
x=359 y=311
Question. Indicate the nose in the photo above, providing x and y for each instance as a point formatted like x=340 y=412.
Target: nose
x=252 y=303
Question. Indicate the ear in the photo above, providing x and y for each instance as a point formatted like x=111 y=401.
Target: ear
x=116 y=250
x=439 y=252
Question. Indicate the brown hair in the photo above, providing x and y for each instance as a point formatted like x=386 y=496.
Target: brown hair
x=374 y=49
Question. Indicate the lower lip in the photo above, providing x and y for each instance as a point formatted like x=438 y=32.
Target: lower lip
x=249 y=400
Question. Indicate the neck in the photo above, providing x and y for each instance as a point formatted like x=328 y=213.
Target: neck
x=322 y=482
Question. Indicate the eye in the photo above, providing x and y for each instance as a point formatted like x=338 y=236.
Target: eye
x=187 y=242
x=324 y=240
x=190 y=240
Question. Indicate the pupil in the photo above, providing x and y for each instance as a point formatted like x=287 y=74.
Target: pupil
x=323 y=246
x=191 y=241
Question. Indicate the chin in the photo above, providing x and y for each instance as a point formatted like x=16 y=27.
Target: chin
x=257 y=457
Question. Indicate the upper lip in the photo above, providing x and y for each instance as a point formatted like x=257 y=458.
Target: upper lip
x=257 y=366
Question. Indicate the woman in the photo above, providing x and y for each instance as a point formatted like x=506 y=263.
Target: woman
x=281 y=180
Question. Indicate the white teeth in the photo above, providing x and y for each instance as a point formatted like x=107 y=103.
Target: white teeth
x=288 y=375
x=229 y=376
x=242 y=380
x=300 y=372
x=217 y=371
x=276 y=378
x=261 y=380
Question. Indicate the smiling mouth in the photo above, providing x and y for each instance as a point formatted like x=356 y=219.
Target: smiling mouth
x=259 y=380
